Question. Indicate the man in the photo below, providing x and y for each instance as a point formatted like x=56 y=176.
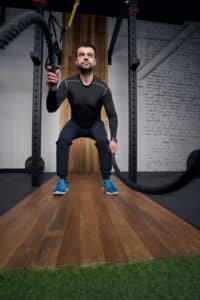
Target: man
x=86 y=94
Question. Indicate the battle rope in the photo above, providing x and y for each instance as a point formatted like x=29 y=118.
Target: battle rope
x=10 y=31
x=182 y=180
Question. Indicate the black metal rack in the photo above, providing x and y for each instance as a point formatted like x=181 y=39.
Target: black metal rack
x=133 y=64
x=37 y=58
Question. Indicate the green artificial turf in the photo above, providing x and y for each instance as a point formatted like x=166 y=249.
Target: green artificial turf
x=177 y=279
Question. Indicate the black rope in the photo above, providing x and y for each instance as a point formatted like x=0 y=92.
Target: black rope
x=182 y=180
x=10 y=31
x=52 y=23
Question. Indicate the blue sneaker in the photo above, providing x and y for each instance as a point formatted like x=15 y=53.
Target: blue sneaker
x=61 y=188
x=109 y=187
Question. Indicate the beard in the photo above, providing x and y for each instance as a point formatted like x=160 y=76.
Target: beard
x=85 y=71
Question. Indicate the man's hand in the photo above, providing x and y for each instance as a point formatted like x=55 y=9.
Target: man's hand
x=52 y=79
x=113 y=147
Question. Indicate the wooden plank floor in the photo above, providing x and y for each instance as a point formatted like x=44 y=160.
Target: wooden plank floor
x=86 y=226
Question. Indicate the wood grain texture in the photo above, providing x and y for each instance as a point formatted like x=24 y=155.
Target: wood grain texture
x=86 y=226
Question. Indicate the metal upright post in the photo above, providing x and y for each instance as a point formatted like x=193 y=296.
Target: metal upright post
x=37 y=57
x=116 y=30
x=133 y=64
x=2 y=15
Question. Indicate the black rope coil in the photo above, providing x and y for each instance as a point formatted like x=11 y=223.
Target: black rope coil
x=182 y=180
x=10 y=31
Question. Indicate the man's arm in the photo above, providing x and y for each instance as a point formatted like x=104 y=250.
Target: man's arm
x=55 y=96
x=111 y=113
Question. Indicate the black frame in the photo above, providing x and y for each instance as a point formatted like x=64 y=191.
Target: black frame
x=37 y=58
x=133 y=64
x=116 y=30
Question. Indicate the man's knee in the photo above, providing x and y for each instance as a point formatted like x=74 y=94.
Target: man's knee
x=101 y=143
x=64 y=142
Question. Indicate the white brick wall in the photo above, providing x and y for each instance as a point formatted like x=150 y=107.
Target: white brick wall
x=168 y=95
x=170 y=111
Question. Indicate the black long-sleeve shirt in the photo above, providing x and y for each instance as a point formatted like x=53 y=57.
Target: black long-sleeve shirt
x=86 y=101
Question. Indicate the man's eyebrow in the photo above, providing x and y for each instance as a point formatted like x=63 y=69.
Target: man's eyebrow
x=86 y=53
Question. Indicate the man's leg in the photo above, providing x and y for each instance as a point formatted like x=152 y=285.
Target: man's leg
x=68 y=133
x=98 y=133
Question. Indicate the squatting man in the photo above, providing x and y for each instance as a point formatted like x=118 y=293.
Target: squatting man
x=86 y=94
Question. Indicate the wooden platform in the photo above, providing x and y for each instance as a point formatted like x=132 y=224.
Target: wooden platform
x=86 y=226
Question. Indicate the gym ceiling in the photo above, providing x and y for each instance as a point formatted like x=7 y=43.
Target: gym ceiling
x=170 y=11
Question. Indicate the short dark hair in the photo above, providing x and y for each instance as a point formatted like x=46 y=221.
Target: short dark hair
x=87 y=45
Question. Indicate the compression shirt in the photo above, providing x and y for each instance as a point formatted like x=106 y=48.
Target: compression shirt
x=86 y=101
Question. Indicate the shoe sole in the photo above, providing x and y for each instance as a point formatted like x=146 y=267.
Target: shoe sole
x=60 y=193
x=110 y=194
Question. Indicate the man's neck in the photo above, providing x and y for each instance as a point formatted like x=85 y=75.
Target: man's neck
x=87 y=78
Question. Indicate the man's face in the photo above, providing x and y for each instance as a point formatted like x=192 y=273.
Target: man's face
x=85 y=59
